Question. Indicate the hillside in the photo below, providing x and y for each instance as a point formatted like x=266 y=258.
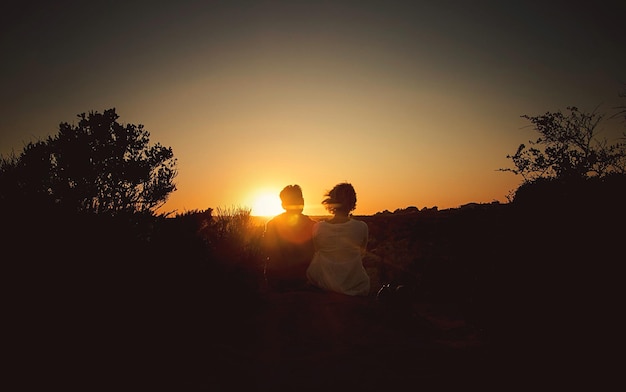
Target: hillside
x=490 y=294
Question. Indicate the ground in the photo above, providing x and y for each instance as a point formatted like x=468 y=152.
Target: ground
x=312 y=340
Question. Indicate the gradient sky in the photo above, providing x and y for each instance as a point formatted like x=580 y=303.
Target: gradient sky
x=414 y=103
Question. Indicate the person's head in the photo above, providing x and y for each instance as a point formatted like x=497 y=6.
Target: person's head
x=291 y=198
x=340 y=199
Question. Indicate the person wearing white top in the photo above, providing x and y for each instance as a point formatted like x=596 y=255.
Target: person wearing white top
x=340 y=244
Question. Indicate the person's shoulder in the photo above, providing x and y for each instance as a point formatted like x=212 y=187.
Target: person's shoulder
x=317 y=225
x=308 y=219
x=358 y=223
x=276 y=220
x=279 y=217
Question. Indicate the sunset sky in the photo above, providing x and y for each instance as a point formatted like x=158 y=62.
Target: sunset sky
x=414 y=103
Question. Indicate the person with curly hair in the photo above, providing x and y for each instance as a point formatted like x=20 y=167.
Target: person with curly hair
x=340 y=244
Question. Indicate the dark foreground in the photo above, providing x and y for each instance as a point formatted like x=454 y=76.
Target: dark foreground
x=508 y=299
x=304 y=340
x=323 y=341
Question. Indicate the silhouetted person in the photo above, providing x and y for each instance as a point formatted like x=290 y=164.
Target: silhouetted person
x=340 y=244
x=288 y=244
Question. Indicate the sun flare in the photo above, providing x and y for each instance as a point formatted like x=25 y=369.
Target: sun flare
x=266 y=204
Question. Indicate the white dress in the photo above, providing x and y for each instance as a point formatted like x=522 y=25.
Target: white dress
x=337 y=264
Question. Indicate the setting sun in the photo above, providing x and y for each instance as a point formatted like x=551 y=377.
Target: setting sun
x=266 y=204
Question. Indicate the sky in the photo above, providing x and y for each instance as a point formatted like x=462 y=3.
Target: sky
x=414 y=103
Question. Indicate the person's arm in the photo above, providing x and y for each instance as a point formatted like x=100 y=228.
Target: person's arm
x=270 y=242
x=365 y=239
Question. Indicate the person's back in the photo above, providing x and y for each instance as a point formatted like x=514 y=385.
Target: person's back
x=340 y=244
x=288 y=243
x=337 y=263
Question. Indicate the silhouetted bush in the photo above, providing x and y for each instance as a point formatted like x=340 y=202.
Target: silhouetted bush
x=568 y=148
x=98 y=166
